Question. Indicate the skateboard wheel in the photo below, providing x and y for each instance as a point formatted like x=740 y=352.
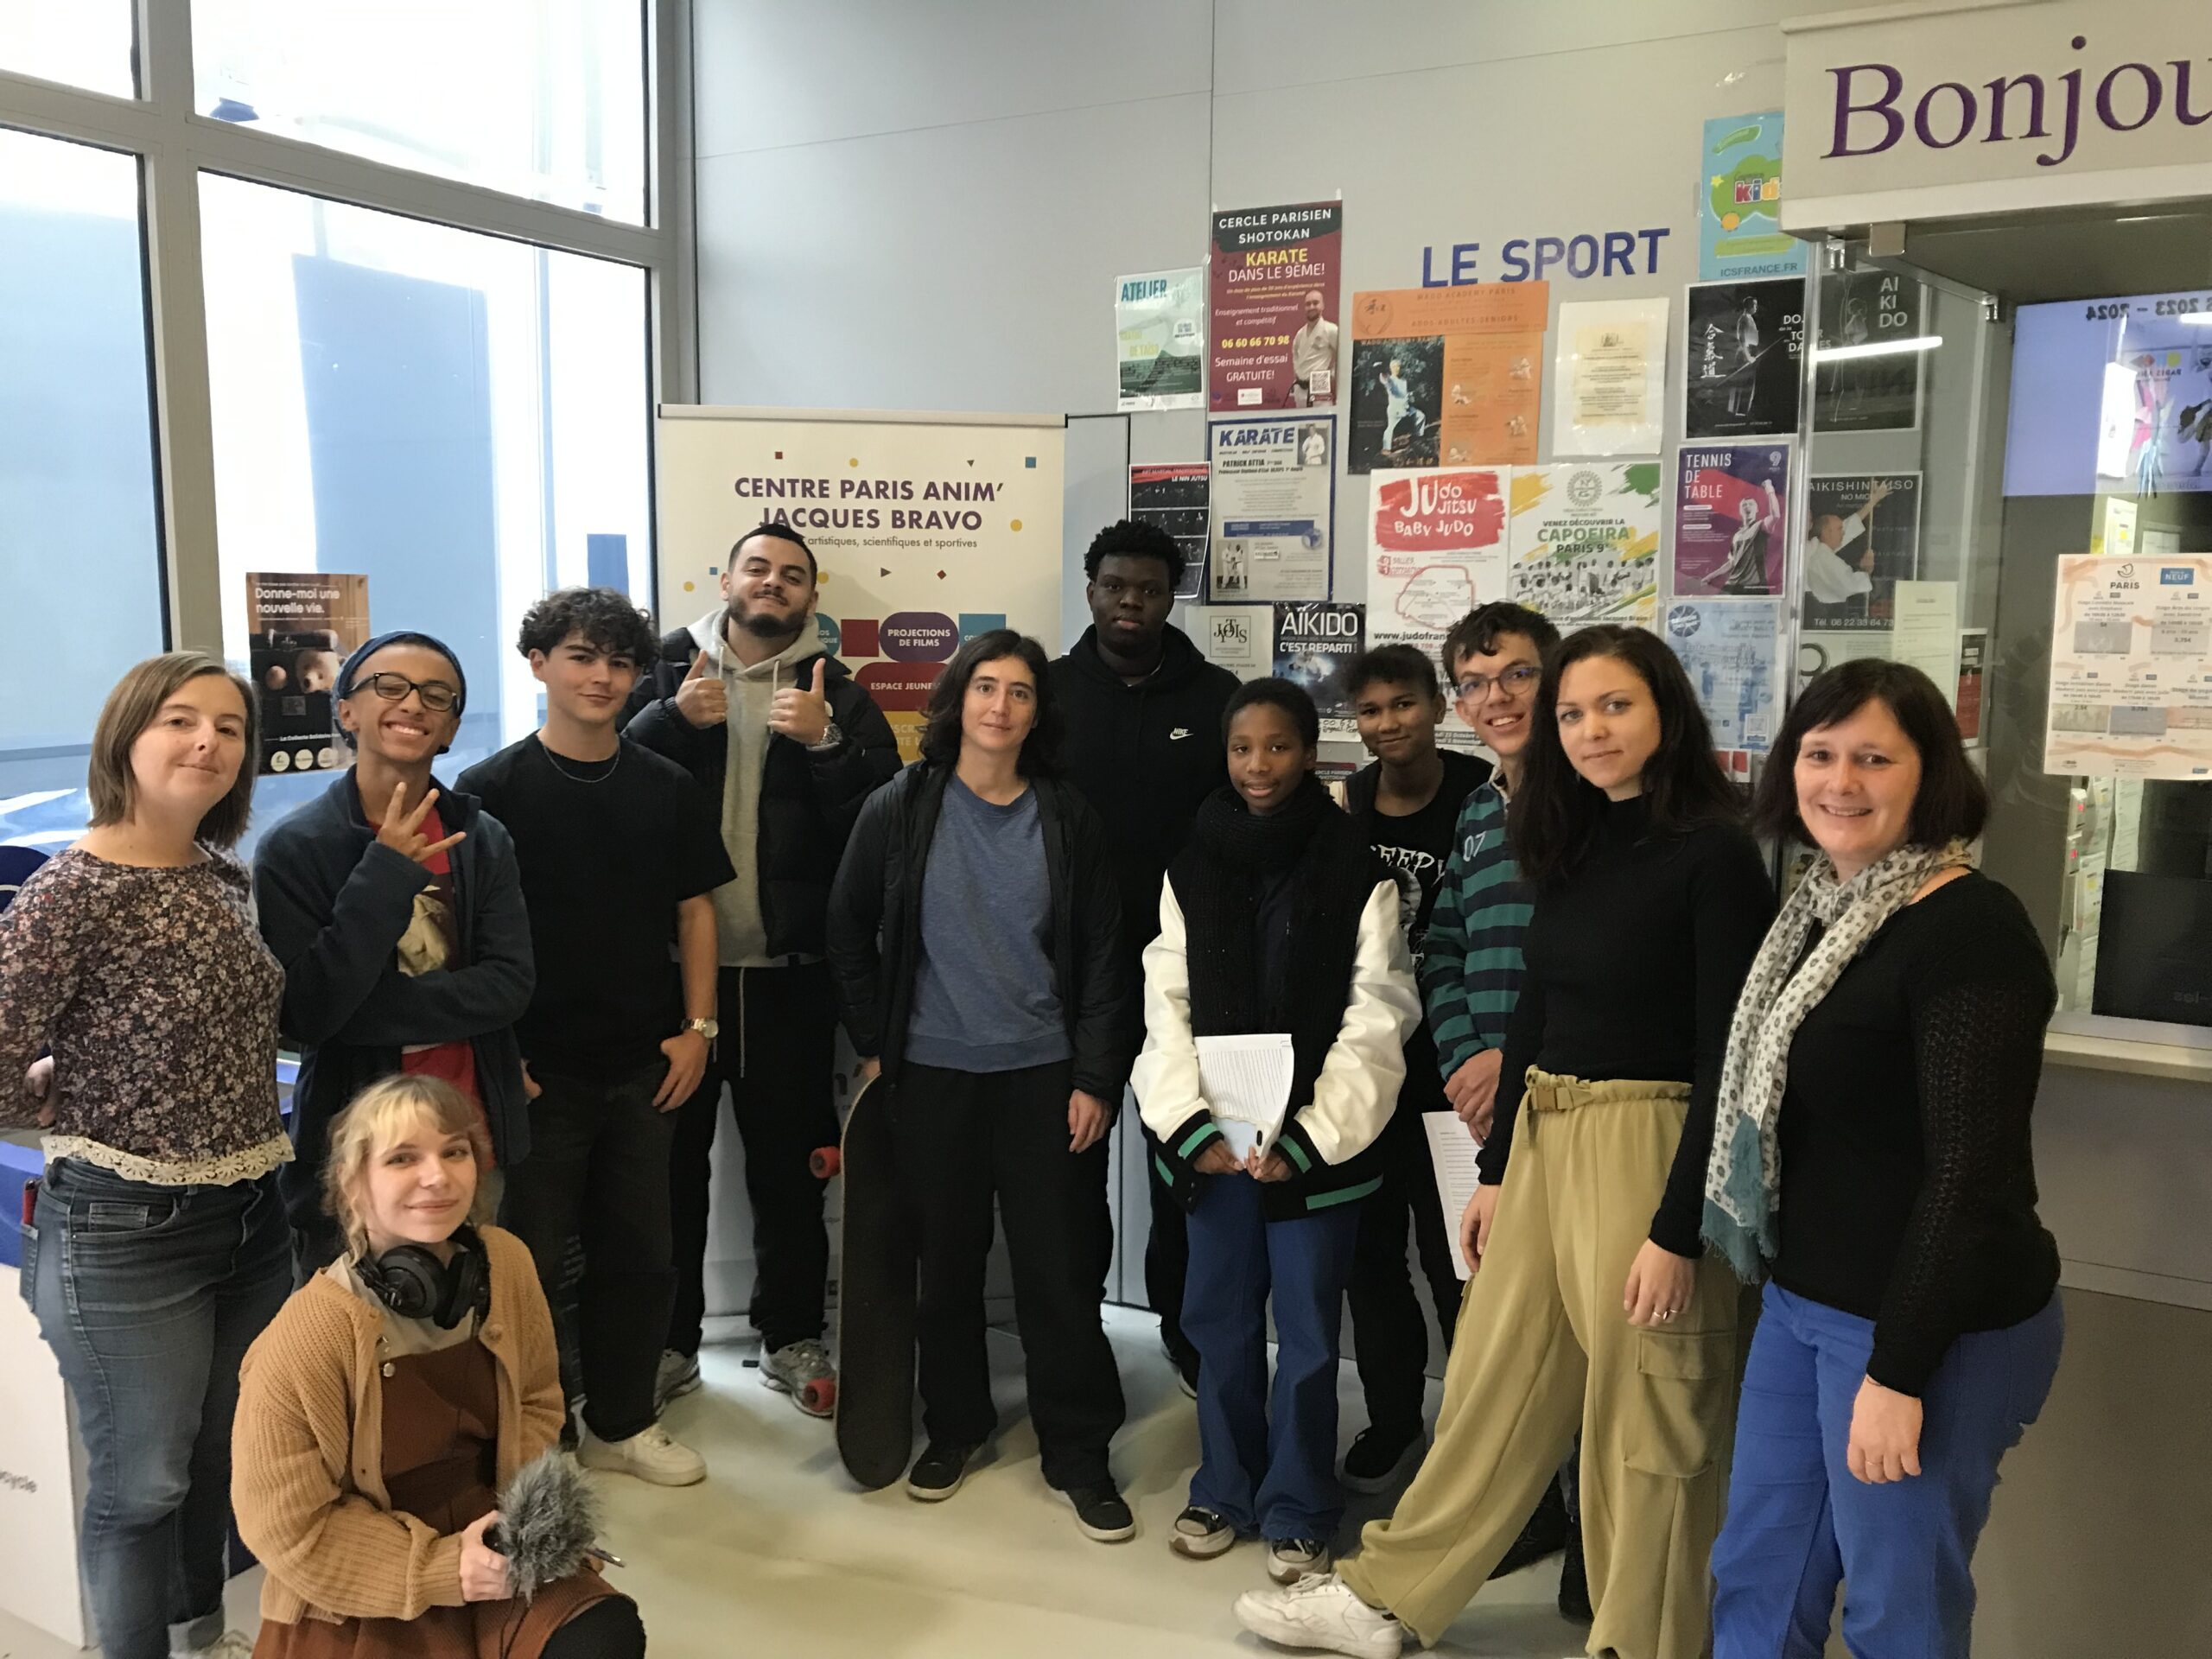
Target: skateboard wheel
x=825 y=1161
x=822 y=1395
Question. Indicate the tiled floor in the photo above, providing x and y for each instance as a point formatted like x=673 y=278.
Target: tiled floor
x=778 y=1553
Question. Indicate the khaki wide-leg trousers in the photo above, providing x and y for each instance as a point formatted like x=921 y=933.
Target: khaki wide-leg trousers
x=1543 y=1347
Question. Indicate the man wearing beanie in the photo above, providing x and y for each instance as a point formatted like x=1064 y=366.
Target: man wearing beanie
x=395 y=905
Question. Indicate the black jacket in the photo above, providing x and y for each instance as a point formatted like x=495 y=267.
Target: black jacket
x=333 y=903
x=1144 y=756
x=808 y=801
x=876 y=925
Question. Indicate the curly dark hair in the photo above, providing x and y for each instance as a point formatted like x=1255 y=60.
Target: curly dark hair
x=1952 y=802
x=1476 y=634
x=1128 y=538
x=605 y=617
x=1552 y=824
x=1041 y=750
x=1288 y=696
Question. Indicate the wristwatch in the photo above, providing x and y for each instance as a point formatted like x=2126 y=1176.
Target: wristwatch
x=831 y=738
x=709 y=1029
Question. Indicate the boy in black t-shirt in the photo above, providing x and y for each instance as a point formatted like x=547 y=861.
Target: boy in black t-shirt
x=1407 y=804
x=620 y=852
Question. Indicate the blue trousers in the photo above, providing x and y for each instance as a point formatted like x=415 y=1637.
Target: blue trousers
x=1266 y=1463
x=1800 y=1524
x=150 y=1297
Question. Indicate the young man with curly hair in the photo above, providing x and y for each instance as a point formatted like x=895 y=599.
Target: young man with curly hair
x=619 y=856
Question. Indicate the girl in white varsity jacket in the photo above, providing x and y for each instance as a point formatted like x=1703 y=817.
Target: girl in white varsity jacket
x=1276 y=918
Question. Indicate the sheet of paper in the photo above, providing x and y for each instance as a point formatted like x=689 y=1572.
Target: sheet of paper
x=1246 y=1082
x=1452 y=1152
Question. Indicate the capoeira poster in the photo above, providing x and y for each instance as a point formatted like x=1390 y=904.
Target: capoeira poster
x=1731 y=504
x=1272 y=307
x=1744 y=358
x=1450 y=377
x=1584 y=541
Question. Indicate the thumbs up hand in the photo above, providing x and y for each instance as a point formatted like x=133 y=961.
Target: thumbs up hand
x=702 y=699
x=801 y=712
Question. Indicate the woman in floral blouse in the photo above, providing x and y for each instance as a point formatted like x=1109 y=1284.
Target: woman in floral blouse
x=159 y=1247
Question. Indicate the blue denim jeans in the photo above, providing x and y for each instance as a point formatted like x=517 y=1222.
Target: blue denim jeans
x=1800 y=1523
x=1266 y=1461
x=150 y=1297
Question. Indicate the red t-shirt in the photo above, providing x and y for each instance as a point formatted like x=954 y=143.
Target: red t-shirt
x=455 y=1062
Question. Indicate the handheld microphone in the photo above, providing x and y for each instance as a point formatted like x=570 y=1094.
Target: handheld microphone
x=549 y=1516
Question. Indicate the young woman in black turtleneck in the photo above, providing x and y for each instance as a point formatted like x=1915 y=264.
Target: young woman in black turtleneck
x=1596 y=1304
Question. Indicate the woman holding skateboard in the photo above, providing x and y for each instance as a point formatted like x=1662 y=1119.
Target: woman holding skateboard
x=972 y=936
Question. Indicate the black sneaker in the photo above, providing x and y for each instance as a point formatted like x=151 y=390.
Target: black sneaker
x=1373 y=1460
x=1574 y=1580
x=1545 y=1535
x=936 y=1474
x=1101 y=1514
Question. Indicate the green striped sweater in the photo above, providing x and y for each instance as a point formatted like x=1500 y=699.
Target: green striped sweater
x=1471 y=972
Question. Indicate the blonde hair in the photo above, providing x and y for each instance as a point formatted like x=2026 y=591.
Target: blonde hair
x=377 y=1116
x=138 y=699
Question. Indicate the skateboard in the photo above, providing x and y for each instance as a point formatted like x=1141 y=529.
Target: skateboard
x=876 y=1296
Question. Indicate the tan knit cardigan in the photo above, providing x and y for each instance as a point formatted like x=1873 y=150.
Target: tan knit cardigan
x=307 y=1453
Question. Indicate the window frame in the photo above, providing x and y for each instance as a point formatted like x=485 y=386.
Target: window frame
x=175 y=146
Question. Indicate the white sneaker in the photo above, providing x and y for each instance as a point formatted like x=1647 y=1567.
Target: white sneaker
x=231 y=1644
x=650 y=1455
x=1290 y=1560
x=1320 y=1611
x=678 y=1375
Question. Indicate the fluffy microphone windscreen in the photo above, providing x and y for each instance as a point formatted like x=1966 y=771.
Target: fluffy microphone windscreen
x=548 y=1516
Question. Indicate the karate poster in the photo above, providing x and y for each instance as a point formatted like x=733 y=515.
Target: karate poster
x=1271 y=307
x=1449 y=376
x=1727 y=647
x=1863 y=387
x=1609 y=385
x=1731 y=506
x=1863 y=538
x=1274 y=506
x=929 y=529
x=300 y=629
x=1739 y=210
x=1314 y=645
x=1584 y=541
x=2131 y=668
x=1159 y=328
x=1745 y=354
x=1172 y=495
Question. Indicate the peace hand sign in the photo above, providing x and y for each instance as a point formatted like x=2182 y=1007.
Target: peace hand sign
x=402 y=830
x=802 y=712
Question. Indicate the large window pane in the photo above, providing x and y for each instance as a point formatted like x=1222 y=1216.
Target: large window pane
x=460 y=419
x=79 y=547
x=540 y=99
x=78 y=42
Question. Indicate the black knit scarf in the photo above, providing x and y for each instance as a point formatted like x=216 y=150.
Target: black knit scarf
x=1219 y=879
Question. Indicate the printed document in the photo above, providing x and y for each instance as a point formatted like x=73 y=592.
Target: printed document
x=1246 y=1082
x=1451 y=1150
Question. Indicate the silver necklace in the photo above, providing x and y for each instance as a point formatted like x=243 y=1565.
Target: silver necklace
x=612 y=766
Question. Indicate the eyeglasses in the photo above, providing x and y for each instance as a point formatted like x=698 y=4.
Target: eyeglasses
x=437 y=696
x=1515 y=682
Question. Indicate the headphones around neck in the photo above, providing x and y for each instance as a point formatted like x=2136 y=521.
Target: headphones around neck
x=410 y=1280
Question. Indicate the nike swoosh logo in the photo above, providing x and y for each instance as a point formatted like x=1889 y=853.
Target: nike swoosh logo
x=1178 y=733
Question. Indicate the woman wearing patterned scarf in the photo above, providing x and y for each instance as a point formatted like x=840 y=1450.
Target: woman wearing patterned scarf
x=1872 y=1162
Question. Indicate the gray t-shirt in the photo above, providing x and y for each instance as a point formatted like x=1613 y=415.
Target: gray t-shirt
x=984 y=995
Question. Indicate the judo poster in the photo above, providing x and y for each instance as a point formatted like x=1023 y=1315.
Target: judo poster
x=1314 y=645
x=1864 y=387
x=1272 y=307
x=1727 y=647
x=1275 y=504
x=301 y=630
x=1450 y=377
x=1731 y=506
x=1744 y=359
x=1862 y=539
x=1437 y=546
x=1172 y=495
x=1740 y=209
x=1584 y=541
x=1160 y=332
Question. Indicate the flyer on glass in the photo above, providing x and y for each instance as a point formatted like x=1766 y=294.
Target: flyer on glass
x=1272 y=312
x=1584 y=541
x=2112 y=397
x=1159 y=330
x=1926 y=632
x=1866 y=387
x=301 y=628
x=2131 y=668
x=1314 y=645
x=1450 y=377
x=1727 y=647
x=1744 y=346
x=1275 y=502
x=1609 y=385
x=1731 y=506
x=1172 y=495
x=1739 y=210
x=1973 y=668
x=1863 y=538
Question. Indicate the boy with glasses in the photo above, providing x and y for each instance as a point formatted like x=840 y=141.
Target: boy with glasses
x=394 y=904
